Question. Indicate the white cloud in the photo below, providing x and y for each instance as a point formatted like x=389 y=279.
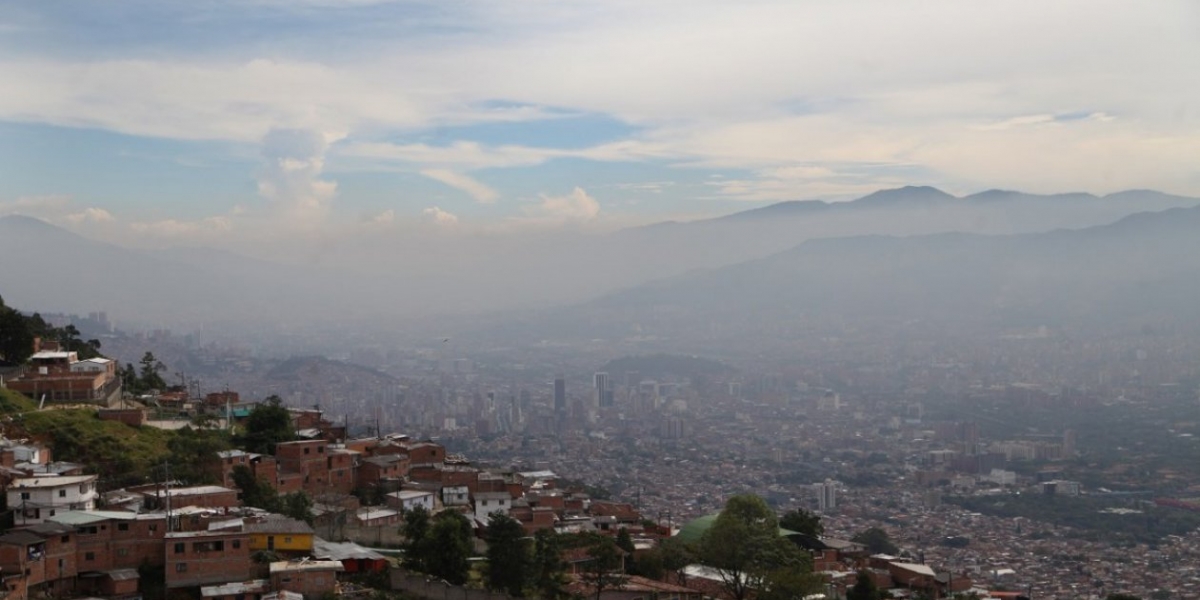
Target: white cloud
x=440 y=217
x=753 y=85
x=575 y=206
x=290 y=176
x=175 y=228
x=479 y=191
x=91 y=214
x=384 y=218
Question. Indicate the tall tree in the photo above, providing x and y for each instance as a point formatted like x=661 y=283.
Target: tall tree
x=802 y=521
x=675 y=556
x=151 y=373
x=415 y=530
x=509 y=562
x=603 y=569
x=16 y=337
x=268 y=424
x=447 y=547
x=549 y=568
x=745 y=547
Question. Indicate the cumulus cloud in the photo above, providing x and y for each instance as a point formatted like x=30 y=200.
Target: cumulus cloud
x=290 y=178
x=384 y=218
x=175 y=228
x=91 y=214
x=438 y=216
x=479 y=191
x=575 y=206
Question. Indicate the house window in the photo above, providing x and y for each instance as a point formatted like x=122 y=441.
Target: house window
x=237 y=544
x=306 y=450
x=122 y=526
x=24 y=495
x=64 y=539
x=62 y=493
x=179 y=548
x=181 y=567
x=287 y=540
x=122 y=551
x=89 y=556
x=485 y=502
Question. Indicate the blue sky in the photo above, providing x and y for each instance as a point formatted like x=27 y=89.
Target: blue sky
x=211 y=120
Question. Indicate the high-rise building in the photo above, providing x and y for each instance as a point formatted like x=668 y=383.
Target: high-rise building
x=603 y=393
x=826 y=495
x=560 y=394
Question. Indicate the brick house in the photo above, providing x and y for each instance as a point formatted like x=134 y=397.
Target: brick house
x=60 y=376
x=311 y=578
x=198 y=558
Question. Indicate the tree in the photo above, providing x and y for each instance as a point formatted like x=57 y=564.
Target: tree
x=624 y=540
x=447 y=547
x=876 y=540
x=151 y=374
x=744 y=546
x=269 y=423
x=864 y=588
x=509 y=562
x=1121 y=597
x=130 y=380
x=549 y=569
x=788 y=584
x=255 y=492
x=675 y=556
x=415 y=530
x=603 y=569
x=297 y=505
x=16 y=337
x=802 y=521
x=193 y=455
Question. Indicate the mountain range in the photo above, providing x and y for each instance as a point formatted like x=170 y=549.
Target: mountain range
x=900 y=251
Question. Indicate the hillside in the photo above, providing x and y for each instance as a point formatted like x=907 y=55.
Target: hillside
x=119 y=454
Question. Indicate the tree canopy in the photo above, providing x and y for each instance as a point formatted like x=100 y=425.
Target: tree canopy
x=876 y=540
x=510 y=565
x=802 y=521
x=269 y=423
x=745 y=547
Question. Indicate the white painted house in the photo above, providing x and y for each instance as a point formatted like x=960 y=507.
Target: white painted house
x=487 y=503
x=410 y=500
x=38 y=498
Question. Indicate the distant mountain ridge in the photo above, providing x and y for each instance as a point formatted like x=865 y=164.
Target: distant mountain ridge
x=46 y=266
x=1144 y=265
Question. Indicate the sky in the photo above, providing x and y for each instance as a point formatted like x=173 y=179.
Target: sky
x=214 y=121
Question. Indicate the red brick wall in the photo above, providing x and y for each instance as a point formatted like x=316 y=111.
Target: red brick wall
x=189 y=563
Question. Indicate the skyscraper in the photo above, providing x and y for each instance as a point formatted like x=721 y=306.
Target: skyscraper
x=826 y=495
x=603 y=390
x=560 y=394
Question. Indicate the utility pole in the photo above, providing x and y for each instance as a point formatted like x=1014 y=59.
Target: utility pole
x=167 y=493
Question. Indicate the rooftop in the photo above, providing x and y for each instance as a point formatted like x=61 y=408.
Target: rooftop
x=51 y=481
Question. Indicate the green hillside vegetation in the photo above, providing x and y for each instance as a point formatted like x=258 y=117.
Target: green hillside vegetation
x=12 y=403
x=121 y=455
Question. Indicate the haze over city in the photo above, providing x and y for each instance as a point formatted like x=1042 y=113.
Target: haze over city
x=917 y=278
